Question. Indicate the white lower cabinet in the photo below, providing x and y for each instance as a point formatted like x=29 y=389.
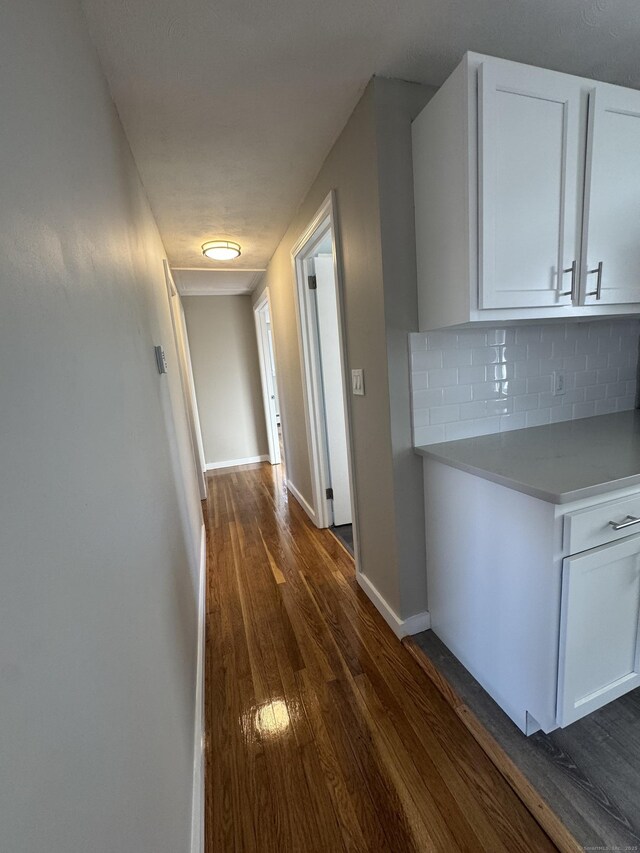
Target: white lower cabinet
x=600 y=614
x=539 y=601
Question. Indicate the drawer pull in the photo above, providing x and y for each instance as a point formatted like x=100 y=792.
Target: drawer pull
x=629 y=520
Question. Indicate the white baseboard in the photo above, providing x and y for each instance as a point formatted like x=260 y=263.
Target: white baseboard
x=197 y=803
x=400 y=627
x=229 y=463
x=303 y=503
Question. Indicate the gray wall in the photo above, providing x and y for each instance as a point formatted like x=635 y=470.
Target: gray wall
x=380 y=309
x=224 y=355
x=99 y=508
x=396 y=105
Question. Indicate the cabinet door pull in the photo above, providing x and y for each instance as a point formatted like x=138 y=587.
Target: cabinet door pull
x=597 y=271
x=572 y=269
x=629 y=520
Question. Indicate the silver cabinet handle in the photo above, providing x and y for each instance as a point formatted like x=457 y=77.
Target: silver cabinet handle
x=629 y=520
x=572 y=269
x=597 y=271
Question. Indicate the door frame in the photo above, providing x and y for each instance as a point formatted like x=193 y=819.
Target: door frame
x=181 y=341
x=324 y=221
x=265 y=357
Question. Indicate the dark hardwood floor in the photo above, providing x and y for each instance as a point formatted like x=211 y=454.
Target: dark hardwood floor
x=589 y=772
x=323 y=732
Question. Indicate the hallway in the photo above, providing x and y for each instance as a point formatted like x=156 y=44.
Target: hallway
x=323 y=732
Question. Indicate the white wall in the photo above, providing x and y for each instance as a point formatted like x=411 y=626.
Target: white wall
x=369 y=167
x=99 y=508
x=224 y=355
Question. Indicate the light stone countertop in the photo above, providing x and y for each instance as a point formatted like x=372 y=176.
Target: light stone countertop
x=558 y=463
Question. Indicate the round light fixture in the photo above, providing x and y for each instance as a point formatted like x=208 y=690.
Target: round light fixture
x=221 y=250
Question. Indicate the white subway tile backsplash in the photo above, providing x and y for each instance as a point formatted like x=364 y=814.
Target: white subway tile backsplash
x=426 y=359
x=472 y=411
x=441 y=376
x=467 y=338
x=623 y=404
x=486 y=355
x=596 y=362
x=538 y=417
x=516 y=420
x=526 y=402
x=421 y=417
x=536 y=384
x=428 y=435
x=586 y=377
x=486 y=390
x=500 y=371
x=605 y=407
x=427 y=399
x=561 y=413
x=456 y=358
x=478 y=381
x=419 y=380
x=608 y=374
x=596 y=392
x=456 y=394
x=445 y=414
x=524 y=369
x=471 y=374
x=584 y=410
x=616 y=389
x=504 y=406
x=528 y=334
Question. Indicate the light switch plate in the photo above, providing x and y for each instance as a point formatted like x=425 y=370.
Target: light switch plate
x=357 y=382
x=161 y=360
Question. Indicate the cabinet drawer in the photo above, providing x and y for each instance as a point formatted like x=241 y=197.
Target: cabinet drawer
x=588 y=528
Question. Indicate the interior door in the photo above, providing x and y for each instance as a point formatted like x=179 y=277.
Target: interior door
x=331 y=370
x=599 y=628
x=531 y=142
x=611 y=256
x=267 y=375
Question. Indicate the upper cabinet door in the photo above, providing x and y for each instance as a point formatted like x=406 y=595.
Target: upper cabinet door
x=531 y=125
x=611 y=245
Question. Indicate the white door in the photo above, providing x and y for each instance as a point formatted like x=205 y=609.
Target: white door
x=611 y=257
x=332 y=373
x=268 y=376
x=599 y=628
x=532 y=126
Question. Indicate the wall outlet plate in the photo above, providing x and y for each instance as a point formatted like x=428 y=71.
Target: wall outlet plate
x=559 y=382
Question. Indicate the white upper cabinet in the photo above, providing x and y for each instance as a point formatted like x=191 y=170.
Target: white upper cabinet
x=514 y=209
x=530 y=173
x=611 y=249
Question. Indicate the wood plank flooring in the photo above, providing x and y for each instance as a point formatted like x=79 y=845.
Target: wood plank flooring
x=589 y=773
x=323 y=733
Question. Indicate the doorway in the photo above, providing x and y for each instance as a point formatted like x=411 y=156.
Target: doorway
x=266 y=357
x=186 y=379
x=321 y=338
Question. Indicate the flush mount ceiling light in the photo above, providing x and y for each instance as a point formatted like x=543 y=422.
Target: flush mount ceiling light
x=221 y=250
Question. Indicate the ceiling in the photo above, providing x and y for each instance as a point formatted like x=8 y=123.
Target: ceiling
x=199 y=282
x=230 y=106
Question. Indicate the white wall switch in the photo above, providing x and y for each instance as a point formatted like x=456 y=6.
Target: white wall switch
x=357 y=382
x=161 y=360
x=559 y=382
